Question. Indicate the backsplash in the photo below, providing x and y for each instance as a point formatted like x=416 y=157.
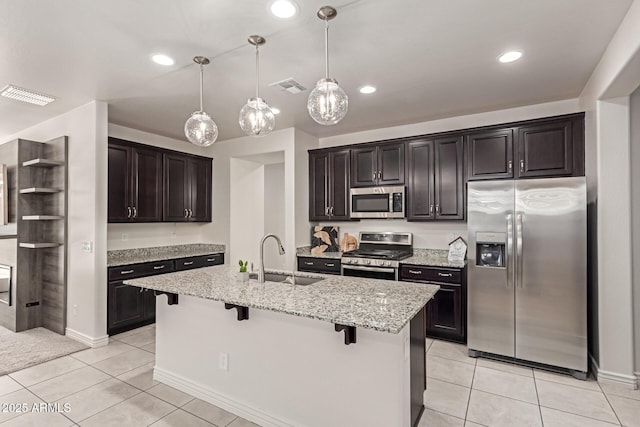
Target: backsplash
x=429 y=235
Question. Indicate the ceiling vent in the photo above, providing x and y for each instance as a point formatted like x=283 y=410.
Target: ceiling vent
x=289 y=85
x=26 y=95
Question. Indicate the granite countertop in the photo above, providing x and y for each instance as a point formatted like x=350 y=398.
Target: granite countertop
x=306 y=251
x=432 y=258
x=381 y=305
x=160 y=253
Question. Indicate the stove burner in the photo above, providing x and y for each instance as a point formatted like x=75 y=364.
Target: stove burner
x=378 y=254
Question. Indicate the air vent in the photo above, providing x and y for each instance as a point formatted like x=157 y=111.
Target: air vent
x=26 y=95
x=289 y=85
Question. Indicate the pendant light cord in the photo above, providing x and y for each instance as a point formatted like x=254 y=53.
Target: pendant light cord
x=201 y=86
x=326 y=48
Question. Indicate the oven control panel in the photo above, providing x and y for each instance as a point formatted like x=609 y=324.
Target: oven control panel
x=369 y=262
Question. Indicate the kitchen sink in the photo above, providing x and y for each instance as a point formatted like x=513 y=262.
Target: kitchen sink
x=286 y=278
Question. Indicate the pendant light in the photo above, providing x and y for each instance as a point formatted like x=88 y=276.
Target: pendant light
x=200 y=129
x=327 y=103
x=256 y=117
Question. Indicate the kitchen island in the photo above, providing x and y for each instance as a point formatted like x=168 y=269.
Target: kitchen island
x=269 y=352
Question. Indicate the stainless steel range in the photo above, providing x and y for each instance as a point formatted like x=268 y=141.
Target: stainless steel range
x=378 y=255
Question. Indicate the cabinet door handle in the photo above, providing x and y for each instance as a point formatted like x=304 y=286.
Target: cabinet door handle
x=186 y=213
x=135 y=212
x=445 y=274
x=330 y=265
x=374 y=176
x=510 y=165
x=190 y=213
x=415 y=272
x=308 y=263
x=326 y=211
x=158 y=267
x=127 y=271
x=379 y=175
x=430 y=209
x=331 y=210
x=437 y=209
x=188 y=263
x=128 y=211
x=211 y=259
x=521 y=165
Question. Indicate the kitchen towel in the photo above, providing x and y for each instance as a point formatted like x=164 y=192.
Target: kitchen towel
x=324 y=239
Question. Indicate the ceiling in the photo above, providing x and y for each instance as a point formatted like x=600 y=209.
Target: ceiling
x=428 y=59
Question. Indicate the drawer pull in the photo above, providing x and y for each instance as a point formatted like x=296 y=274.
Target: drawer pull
x=158 y=267
x=188 y=263
x=211 y=259
x=308 y=263
x=127 y=271
x=445 y=274
x=415 y=271
x=330 y=265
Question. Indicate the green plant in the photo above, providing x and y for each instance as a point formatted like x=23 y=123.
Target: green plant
x=243 y=266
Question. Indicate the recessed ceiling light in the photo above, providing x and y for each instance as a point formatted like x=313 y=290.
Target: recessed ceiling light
x=511 y=56
x=367 y=89
x=275 y=110
x=283 y=8
x=26 y=95
x=163 y=59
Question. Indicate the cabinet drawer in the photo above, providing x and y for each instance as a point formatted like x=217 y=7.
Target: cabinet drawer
x=199 y=261
x=319 y=265
x=430 y=274
x=139 y=270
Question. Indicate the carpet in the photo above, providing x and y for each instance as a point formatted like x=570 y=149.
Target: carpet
x=23 y=349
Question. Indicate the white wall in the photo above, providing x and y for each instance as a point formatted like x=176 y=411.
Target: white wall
x=274 y=202
x=86 y=127
x=247 y=198
x=303 y=143
x=605 y=100
x=125 y=236
x=635 y=218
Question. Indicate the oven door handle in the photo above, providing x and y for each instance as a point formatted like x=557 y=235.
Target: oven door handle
x=378 y=269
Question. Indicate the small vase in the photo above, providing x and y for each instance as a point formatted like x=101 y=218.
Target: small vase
x=244 y=276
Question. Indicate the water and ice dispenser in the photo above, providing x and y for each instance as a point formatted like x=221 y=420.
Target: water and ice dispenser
x=491 y=249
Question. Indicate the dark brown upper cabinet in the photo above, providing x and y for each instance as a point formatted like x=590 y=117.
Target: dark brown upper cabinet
x=187 y=188
x=435 y=179
x=134 y=183
x=540 y=148
x=490 y=154
x=381 y=164
x=329 y=185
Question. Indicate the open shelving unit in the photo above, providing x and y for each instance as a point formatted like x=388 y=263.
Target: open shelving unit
x=42 y=234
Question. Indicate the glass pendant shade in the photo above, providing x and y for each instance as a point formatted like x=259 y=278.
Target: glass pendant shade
x=256 y=117
x=328 y=103
x=200 y=129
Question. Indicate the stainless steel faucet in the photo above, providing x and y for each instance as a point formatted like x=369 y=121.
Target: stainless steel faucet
x=280 y=250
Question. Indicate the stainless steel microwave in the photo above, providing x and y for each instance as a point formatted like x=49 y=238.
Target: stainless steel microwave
x=377 y=202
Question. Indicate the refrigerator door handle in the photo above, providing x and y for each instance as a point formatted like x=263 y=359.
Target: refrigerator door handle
x=509 y=251
x=519 y=244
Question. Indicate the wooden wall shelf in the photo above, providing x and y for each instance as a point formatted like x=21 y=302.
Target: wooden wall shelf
x=41 y=217
x=43 y=163
x=40 y=190
x=39 y=245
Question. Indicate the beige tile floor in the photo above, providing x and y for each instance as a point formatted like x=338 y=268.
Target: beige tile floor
x=463 y=391
x=113 y=386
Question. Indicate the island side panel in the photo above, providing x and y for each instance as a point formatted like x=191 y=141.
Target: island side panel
x=283 y=370
x=418 y=365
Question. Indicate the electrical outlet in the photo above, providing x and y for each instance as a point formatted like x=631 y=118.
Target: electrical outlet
x=224 y=361
x=125 y=237
x=87 y=246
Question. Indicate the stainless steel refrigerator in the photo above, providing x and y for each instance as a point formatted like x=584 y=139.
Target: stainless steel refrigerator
x=527 y=290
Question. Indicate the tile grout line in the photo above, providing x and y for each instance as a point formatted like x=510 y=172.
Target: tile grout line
x=56 y=376
x=473 y=377
x=107 y=408
x=609 y=402
x=535 y=385
x=579 y=415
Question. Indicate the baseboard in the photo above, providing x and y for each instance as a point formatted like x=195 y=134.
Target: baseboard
x=86 y=339
x=629 y=381
x=229 y=404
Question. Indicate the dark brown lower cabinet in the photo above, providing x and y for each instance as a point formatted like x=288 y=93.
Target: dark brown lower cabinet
x=319 y=265
x=129 y=307
x=447 y=312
